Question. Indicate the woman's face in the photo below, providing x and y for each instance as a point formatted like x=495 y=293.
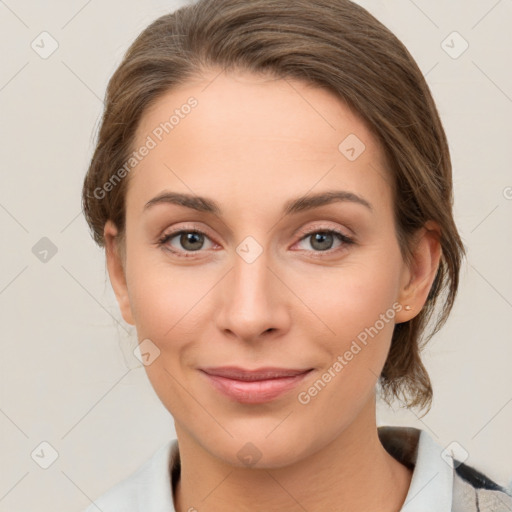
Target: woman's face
x=269 y=280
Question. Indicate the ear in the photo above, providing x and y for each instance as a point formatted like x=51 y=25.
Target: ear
x=421 y=271
x=116 y=270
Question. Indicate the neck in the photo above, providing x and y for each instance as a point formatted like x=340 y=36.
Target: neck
x=352 y=473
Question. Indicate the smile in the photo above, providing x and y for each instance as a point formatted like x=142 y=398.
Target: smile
x=254 y=386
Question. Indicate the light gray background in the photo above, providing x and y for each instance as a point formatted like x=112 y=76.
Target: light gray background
x=68 y=376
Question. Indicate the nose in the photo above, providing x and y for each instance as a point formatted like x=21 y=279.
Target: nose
x=254 y=303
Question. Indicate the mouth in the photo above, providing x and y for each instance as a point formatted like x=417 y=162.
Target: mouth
x=254 y=386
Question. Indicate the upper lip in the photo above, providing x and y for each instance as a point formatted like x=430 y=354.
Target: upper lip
x=237 y=373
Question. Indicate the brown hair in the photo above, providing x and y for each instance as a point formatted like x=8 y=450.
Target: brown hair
x=334 y=44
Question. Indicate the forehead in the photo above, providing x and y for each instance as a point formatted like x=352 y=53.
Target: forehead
x=245 y=129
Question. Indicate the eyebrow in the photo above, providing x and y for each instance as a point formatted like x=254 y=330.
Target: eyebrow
x=300 y=204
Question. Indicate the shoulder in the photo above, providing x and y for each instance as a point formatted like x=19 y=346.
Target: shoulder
x=444 y=481
x=475 y=491
x=148 y=488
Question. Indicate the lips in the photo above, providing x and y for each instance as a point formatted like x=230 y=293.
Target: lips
x=233 y=372
x=254 y=386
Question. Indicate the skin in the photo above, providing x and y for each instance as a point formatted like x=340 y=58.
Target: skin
x=252 y=144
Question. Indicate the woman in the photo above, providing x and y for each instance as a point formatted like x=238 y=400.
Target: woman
x=272 y=186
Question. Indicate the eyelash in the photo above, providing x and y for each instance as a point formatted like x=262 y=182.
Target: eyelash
x=346 y=240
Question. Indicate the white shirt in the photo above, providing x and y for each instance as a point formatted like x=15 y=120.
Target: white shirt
x=149 y=489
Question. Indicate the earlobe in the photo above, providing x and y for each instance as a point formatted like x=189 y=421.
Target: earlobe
x=116 y=270
x=421 y=272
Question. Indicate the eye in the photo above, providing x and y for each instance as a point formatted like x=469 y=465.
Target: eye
x=185 y=242
x=322 y=240
x=188 y=240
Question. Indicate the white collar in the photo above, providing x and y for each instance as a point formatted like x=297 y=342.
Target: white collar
x=431 y=485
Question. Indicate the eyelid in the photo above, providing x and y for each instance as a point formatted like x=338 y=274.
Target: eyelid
x=188 y=227
x=322 y=226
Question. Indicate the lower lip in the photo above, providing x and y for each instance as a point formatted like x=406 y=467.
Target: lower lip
x=255 y=392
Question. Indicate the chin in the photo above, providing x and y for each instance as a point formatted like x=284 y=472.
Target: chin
x=261 y=447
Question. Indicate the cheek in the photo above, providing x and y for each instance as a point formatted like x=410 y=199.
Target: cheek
x=165 y=299
x=357 y=304
x=167 y=308
x=349 y=299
